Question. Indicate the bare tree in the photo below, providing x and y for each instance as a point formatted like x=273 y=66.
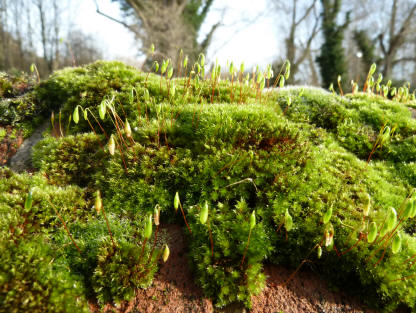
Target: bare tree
x=314 y=77
x=50 y=21
x=14 y=34
x=40 y=5
x=383 y=30
x=398 y=31
x=80 y=49
x=170 y=25
x=298 y=47
x=44 y=22
x=304 y=26
x=3 y=34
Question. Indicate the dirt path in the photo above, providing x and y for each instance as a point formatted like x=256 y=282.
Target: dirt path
x=22 y=160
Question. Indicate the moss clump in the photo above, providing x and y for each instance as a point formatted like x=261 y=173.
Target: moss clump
x=355 y=120
x=220 y=267
x=71 y=159
x=15 y=84
x=19 y=105
x=296 y=152
x=20 y=223
x=32 y=280
x=121 y=270
x=58 y=245
x=33 y=275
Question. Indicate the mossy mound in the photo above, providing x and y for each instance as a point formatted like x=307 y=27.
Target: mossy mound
x=19 y=106
x=297 y=157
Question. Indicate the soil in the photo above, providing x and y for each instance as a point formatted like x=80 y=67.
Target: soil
x=174 y=291
x=305 y=293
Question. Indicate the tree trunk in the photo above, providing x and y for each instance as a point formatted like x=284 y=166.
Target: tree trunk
x=388 y=65
x=44 y=37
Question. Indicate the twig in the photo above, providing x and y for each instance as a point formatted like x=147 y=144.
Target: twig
x=248 y=179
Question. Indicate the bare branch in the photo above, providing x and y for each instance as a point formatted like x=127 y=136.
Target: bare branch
x=131 y=28
x=404 y=59
x=307 y=12
x=381 y=41
x=306 y=49
x=206 y=42
x=247 y=23
x=399 y=38
x=393 y=20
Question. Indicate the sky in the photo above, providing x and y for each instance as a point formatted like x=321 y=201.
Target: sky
x=239 y=39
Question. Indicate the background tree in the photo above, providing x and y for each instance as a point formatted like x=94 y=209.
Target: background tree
x=80 y=49
x=40 y=32
x=170 y=25
x=367 y=47
x=12 y=33
x=383 y=31
x=301 y=16
x=397 y=33
x=332 y=60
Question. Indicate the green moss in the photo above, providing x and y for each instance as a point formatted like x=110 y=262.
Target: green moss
x=111 y=273
x=33 y=277
x=71 y=159
x=221 y=270
x=19 y=105
x=40 y=249
x=89 y=84
x=3 y=133
x=19 y=223
x=15 y=84
x=299 y=150
x=32 y=280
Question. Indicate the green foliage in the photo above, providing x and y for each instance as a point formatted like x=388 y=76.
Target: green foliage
x=15 y=84
x=403 y=150
x=3 y=133
x=112 y=272
x=33 y=277
x=407 y=172
x=40 y=249
x=142 y=186
x=92 y=83
x=355 y=121
x=129 y=91
x=19 y=106
x=20 y=111
x=6 y=87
